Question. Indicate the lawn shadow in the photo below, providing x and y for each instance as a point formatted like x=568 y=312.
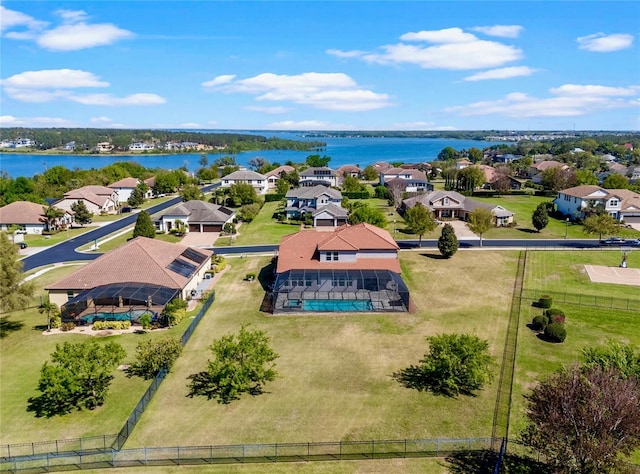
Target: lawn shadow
x=266 y=276
x=484 y=461
x=527 y=231
x=434 y=256
x=8 y=326
x=414 y=378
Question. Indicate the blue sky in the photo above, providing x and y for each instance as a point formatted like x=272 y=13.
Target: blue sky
x=321 y=65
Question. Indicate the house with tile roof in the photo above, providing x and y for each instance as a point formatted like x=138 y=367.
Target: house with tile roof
x=29 y=217
x=144 y=274
x=125 y=187
x=275 y=174
x=453 y=205
x=621 y=204
x=537 y=169
x=98 y=199
x=348 y=170
x=411 y=180
x=354 y=268
x=318 y=175
x=198 y=216
x=256 y=180
x=322 y=202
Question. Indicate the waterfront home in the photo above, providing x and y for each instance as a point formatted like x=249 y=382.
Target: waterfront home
x=453 y=205
x=318 y=175
x=352 y=269
x=197 y=216
x=98 y=199
x=621 y=204
x=142 y=275
x=125 y=187
x=348 y=170
x=139 y=146
x=104 y=147
x=29 y=218
x=256 y=180
x=275 y=174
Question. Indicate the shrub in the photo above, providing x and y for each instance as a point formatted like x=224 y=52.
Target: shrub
x=175 y=311
x=539 y=323
x=555 y=332
x=545 y=301
x=102 y=325
x=554 y=312
x=55 y=321
x=218 y=263
x=67 y=326
x=145 y=321
x=250 y=276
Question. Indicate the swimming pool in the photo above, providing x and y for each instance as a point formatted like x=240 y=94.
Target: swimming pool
x=337 y=305
x=133 y=315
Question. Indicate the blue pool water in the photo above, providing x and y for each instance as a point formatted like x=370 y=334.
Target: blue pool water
x=337 y=305
x=128 y=316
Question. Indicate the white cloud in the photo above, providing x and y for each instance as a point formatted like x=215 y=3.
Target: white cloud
x=101 y=119
x=11 y=121
x=268 y=110
x=450 y=48
x=601 y=43
x=53 y=79
x=502 y=73
x=329 y=91
x=11 y=19
x=73 y=37
x=73 y=34
x=570 y=100
x=224 y=79
x=501 y=31
x=110 y=100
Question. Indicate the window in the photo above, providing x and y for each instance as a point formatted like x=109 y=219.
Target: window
x=613 y=203
x=328 y=257
x=69 y=294
x=331 y=256
x=446 y=201
x=335 y=256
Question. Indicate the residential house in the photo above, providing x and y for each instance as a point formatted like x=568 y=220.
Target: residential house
x=381 y=166
x=142 y=275
x=536 y=170
x=622 y=204
x=412 y=180
x=634 y=174
x=98 y=199
x=274 y=175
x=29 y=217
x=104 y=147
x=318 y=175
x=462 y=164
x=197 y=216
x=125 y=187
x=453 y=205
x=257 y=180
x=139 y=146
x=322 y=202
x=352 y=269
x=348 y=170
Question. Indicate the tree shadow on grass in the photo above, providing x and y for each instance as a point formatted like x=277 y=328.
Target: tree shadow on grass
x=484 y=462
x=414 y=378
x=7 y=326
x=528 y=231
x=434 y=256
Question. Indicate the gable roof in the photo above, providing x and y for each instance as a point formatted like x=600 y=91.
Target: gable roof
x=415 y=174
x=348 y=169
x=469 y=205
x=300 y=250
x=200 y=211
x=332 y=209
x=313 y=171
x=22 y=212
x=548 y=164
x=141 y=260
x=125 y=183
x=278 y=170
x=85 y=195
x=312 y=192
x=244 y=175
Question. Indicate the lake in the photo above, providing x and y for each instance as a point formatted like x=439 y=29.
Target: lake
x=342 y=150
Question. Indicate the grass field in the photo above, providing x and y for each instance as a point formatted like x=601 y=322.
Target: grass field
x=336 y=370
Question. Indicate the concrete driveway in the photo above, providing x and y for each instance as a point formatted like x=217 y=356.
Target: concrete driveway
x=200 y=239
x=462 y=231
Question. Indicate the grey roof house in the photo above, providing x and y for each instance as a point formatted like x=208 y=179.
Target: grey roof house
x=322 y=202
x=198 y=216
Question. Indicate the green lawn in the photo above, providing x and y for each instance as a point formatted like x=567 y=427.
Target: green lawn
x=23 y=350
x=336 y=370
x=47 y=240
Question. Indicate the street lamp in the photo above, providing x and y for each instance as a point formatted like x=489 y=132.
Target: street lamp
x=566 y=228
x=394 y=227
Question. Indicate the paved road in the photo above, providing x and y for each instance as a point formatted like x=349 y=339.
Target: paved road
x=65 y=251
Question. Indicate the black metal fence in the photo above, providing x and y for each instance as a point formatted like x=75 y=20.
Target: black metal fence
x=246 y=453
x=57 y=446
x=580 y=299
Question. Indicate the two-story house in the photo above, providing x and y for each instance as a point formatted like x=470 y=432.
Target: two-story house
x=622 y=204
x=322 y=202
x=352 y=269
x=412 y=180
x=256 y=180
x=98 y=199
x=275 y=174
x=318 y=175
x=125 y=187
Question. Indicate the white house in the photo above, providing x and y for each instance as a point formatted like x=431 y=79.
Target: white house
x=622 y=204
x=322 y=202
x=318 y=175
x=139 y=146
x=257 y=180
x=274 y=175
x=125 y=187
x=29 y=217
x=412 y=180
x=98 y=199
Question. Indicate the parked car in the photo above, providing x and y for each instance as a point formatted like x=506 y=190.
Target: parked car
x=613 y=241
x=633 y=242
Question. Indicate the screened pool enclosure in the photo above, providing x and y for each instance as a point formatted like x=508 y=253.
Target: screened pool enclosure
x=122 y=302
x=296 y=291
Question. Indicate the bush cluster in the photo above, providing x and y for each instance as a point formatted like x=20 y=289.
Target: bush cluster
x=218 y=263
x=175 y=311
x=555 y=332
x=545 y=301
x=101 y=325
x=551 y=322
x=67 y=326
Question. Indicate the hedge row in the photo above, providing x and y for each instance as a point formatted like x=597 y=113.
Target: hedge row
x=100 y=325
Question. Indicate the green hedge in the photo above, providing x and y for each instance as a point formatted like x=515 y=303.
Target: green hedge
x=555 y=332
x=100 y=325
x=273 y=197
x=357 y=195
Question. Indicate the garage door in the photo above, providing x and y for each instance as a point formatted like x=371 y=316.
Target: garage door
x=194 y=227
x=211 y=228
x=632 y=220
x=324 y=222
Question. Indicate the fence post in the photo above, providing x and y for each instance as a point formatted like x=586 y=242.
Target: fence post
x=373 y=448
x=340 y=456
x=146 y=461
x=405 y=447
x=57 y=447
x=276 y=452
x=308 y=451
x=437 y=447
x=178 y=455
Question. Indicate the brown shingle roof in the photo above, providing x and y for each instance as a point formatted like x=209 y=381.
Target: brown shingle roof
x=125 y=183
x=280 y=169
x=140 y=260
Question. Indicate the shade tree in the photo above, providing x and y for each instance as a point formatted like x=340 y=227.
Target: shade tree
x=419 y=220
x=540 y=217
x=448 y=241
x=480 y=221
x=144 y=227
x=15 y=293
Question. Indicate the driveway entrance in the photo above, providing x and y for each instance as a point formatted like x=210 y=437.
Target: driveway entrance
x=462 y=231
x=200 y=239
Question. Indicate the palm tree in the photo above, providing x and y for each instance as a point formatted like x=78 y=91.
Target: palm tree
x=49 y=309
x=50 y=217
